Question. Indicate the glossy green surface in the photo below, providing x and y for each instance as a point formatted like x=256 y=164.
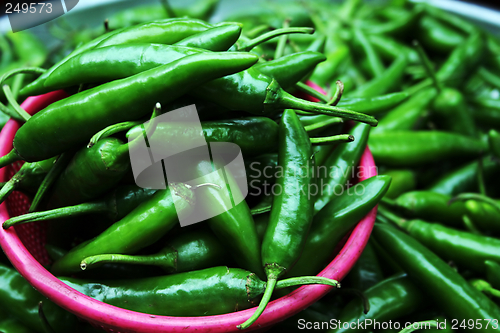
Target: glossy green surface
x=464 y=178
x=335 y=220
x=438 y=37
x=464 y=248
x=235 y=227
x=291 y=68
x=483 y=215
x=20 y=299
x=374 y=105
x=451 y=109
x=114 y=62
x=493 y=273
x=90 y=173
x=254 y=135
x=431 y=206
x=443 y=285
x=390 y=299
x=205 y=292
x=70 y=121
x=146 y=224
x=403 y=180
x=405 y=116
x=415 y=148
x=340 y=166
x=292 y=209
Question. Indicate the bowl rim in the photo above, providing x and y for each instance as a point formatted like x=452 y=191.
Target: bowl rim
x=118 y=319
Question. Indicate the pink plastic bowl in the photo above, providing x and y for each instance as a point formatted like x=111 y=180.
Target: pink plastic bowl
x=114 y=319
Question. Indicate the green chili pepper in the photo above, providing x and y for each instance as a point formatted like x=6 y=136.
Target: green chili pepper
x=376 y=66
x=167 y=31
x=431 y=206
x=437 y=36
x=325 y=72
x=292 y=210
x=406 y=115
x=143 y=226
x=254 y=135
x=390 y=49
x=405 y=148
x=292 y=68
x=234 y=227
x=28 y=178
x=374 y=105
x=493 y=273
x=77 y=122
x=403 y=180
x=340 y=167
x=464 y=248
x=464 y=179
x=21 y=300
x=335 y=220
x=187 y=252
x=459 y=64
x=366 y=272
x=91 y=173
x=449 y=106
x=215 y=39
x=114 y=62
x=253 y=92
x=447 y=289
x=483 y=215
x=385 y=83
x=115 y=206
x=210 y=291
x=390 y=299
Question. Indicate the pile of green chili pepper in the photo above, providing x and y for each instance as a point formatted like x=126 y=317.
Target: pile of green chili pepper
x=302 y=90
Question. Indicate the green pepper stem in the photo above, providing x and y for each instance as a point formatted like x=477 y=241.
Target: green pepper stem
x=475 y=196
x=9 y=158
x=339 y=90
x=280 y=48
x=325 y=123
x=12 y=184
x=167 y=260
x=332 y=139
x=263 y=206
x=111 y=130
x=287 y=101
x=311 y=91
x=49 y=179
x=485 y=287
x=428 y=66
x=12 y=102
x=271 y=284
x=248 y=45
x=402 y=223
x=470 y=226
x=419 y=325
x=302 y=280
x=84 y=208
x=480 y=177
